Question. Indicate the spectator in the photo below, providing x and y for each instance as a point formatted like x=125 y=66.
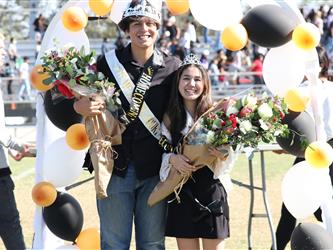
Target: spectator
x=24 y=79
x=10 y=227
x=40 y=26
x=214 y=72
x=172 y=28
x=327 y=42
x=105 y=46
x=185 y=42
x=190 y=29
x=120 y=43
x=207 y=39
x=204 y=59
x=12 y=50
x=257 y=69
x=232 y=70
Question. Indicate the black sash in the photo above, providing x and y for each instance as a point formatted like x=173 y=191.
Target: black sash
x=139 y=94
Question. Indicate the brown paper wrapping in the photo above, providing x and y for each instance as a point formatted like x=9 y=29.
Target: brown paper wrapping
x=103 y=131
x=199 y=156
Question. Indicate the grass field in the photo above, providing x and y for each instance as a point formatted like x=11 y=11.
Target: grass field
x=276 y=166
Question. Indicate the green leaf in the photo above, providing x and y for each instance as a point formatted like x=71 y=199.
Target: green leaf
x=72 y=82
x=69 y=70
x=48 y=81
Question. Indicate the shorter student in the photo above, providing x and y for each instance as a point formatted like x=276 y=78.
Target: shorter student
x=203 y=211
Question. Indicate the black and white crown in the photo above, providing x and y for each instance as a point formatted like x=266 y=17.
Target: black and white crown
x=143 y=8
x=190 y=59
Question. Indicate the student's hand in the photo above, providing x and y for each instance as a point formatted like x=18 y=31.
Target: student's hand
x=181 y=164
x=88 y=106
x=218 y=154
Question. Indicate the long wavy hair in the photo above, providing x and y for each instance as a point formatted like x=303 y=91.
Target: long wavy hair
x=324 y=62
x=176 y=108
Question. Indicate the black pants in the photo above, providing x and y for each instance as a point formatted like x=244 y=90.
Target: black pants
x=287 y=221
x=10 y=227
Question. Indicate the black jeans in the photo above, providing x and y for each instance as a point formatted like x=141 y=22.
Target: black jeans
x=10 y=227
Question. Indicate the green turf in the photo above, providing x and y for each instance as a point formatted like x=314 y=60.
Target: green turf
x=277 y=165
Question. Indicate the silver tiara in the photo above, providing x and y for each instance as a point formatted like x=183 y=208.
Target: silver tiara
x=144 y=8
x=190 y=59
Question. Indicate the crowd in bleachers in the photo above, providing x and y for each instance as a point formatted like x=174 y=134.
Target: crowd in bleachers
x=179 y=36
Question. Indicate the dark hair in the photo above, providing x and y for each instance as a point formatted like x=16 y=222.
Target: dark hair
x=125 y=23
x=323 y=61
x=176 y=109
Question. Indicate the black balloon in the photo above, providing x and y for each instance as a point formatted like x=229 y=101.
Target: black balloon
x=64 y=217
x=61 y=114
x=299 y=124
x=268 y=25
x=308 y=236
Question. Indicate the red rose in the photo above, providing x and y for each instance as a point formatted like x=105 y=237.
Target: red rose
x=233 y=119
x=222 y=123
x=281 y=115
x=65 y=91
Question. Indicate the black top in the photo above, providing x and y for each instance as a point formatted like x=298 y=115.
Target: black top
x=138 y=144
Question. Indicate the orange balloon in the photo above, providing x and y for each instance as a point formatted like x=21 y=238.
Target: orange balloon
x=89 y=239
x=37 y=76
x=306 y=36
x=234 y=37
x=319 y=154
x=100 y=7
x=74 y=18
x=296 y=100
x=44 y=194
x=76 y=137
x=178 y=7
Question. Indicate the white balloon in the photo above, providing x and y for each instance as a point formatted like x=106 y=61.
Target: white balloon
x=54 y=32
x=117 y=10
x=283 y=68
x=216 y=14
x=65 y=37
x=255 y=3
x=62 y=165
x=68 y=247
x=303 y=189
x=312 y=66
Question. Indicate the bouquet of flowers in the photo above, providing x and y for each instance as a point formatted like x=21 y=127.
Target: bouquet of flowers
x=74 y=74
x=244 y=122
x=231 y=123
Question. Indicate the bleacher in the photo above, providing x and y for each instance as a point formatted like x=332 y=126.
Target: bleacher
x=27 y=108
x=28 y=48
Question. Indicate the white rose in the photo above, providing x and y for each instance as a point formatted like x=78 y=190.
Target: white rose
x=232 y=110
x=245 y=126
x=249 y=101
x=210 y=137
x=263 y=125
x=265 y=111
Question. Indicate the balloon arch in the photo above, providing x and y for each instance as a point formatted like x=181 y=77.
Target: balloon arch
x=274 y=24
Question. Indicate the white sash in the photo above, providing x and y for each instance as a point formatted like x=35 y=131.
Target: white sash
x=127 y=87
